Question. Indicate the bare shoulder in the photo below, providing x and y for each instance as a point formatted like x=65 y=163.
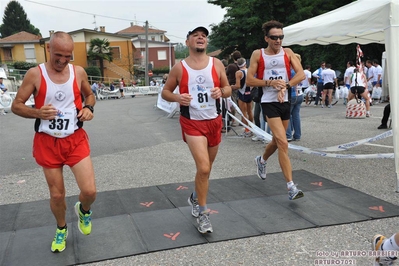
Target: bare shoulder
x=32 y=77
x=218 y=63
x=288 y=51
x=174 y=77
x=80 y=72
x=256 y=53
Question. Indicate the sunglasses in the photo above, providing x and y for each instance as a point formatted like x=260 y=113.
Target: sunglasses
x=276 y=37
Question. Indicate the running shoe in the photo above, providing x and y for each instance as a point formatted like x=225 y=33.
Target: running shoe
x=257 y=138
x=261 y=168
x=84 y=223
x=204 y=223
x=194 y=206
x=378 y=240
x=294 y=193
x=59 y=242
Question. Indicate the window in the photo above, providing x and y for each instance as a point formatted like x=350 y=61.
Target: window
x=116 y=54
x=152 y=38
x=7 y=54
x=30 y=55
x=161 y=55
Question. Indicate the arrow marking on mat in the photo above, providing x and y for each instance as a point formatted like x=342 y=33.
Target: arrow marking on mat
x=319 y=184
x=147 y=204
x=172 y=235
x=213 y=212
x=377 y=208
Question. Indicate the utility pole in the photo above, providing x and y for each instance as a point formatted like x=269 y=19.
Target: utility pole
x=146 y=54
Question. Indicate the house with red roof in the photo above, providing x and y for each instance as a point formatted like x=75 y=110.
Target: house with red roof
x=161 y=52
x=21 y=46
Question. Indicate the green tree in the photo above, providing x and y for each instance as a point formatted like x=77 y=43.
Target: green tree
x=15 y=20
x=181 y=50
x=100 y=50
x=241 y=29
x=93 y=71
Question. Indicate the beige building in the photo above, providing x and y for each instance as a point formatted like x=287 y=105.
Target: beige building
x=27 y=47
x=22 y=46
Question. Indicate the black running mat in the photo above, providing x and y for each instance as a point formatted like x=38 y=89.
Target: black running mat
x=141 y=220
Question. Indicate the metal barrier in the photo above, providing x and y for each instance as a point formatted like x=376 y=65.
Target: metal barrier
x=8 y=97
x=106 y=93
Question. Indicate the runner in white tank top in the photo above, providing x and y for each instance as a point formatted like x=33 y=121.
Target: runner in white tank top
x=58 y=88
x=275 y=69
x=64 y=97
x=270 y=68
x=202 y=82
x=199 y=85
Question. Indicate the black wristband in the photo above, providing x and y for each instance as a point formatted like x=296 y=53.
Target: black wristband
x=90 y=107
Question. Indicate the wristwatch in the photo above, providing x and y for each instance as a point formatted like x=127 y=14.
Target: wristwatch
x=90 y=107
x=287 y=85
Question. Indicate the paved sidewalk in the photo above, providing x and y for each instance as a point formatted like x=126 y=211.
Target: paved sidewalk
x=136 y=145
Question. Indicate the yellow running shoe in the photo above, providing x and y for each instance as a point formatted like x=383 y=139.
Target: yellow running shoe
x=84 y=223
x=59 y=242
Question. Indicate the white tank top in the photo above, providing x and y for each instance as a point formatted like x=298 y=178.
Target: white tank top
x=243 y=88
x=198 y=83
x=358 y=79
x=62 y=97
x=275 y=68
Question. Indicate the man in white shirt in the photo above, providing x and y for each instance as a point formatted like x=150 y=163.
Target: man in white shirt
x=329 y=78
x=306 y=82
x=317 y=74
x=377 y=77
x=370 y=72
x=348 y=73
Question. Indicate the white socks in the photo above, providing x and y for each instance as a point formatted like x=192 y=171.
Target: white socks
x=390 y=244
x=262 y=160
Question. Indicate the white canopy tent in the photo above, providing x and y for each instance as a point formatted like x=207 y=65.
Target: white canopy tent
x=362 y=22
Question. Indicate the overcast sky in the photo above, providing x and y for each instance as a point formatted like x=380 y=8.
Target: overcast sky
x=174 y=17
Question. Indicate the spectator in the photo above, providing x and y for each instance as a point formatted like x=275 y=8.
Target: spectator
x=377 y=79
x=94 y=88
x=3 y=89
x=111 y=86
x=2 y=86
x=231 y=76
x=122 y=88
x=320 y=86
x=358 y=89
x=308 y=76
x=295 y=118
x=244 y=95
x=385 y=117
x=329 y=79
x=348 y=73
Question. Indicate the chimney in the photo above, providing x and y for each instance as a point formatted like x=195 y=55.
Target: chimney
x=102 y=28
x=131 y=24
x=51 y=32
